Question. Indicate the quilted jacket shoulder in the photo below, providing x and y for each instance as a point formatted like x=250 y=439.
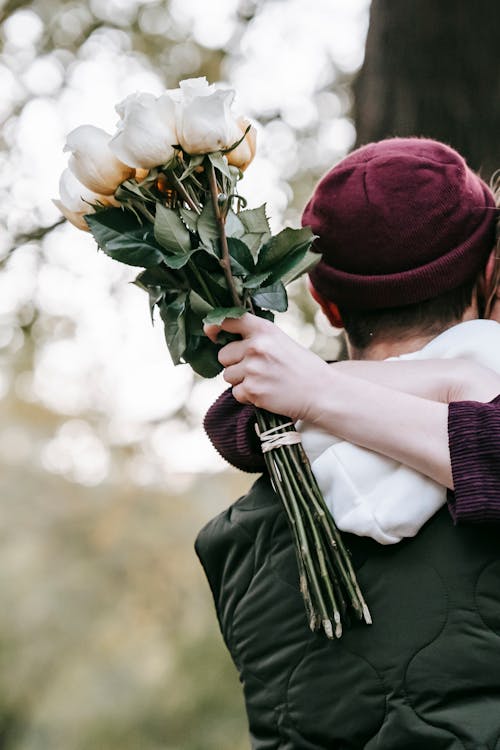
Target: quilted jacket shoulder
x=426 y=674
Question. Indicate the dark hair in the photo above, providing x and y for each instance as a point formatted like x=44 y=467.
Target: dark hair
x=430 y=317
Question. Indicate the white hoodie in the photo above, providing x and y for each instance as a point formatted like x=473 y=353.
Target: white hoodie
x=371 y=495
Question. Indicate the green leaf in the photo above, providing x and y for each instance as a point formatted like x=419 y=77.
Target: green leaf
x=201 y=354
x=170 y=232
x=178 y=261
x=121 y=236
x=273 y=297
x=155 y=294
x=257 y=230
x=308 y=260
x=220 y=162
x=198 y=304
x=242 y=263
x=267 y=314
x=255 y=220
x=286 y=268
x=190 y=219
x=173 y=316
x=284 y=244
x=254 y=242
x=234 y=227
x=160 y=276
x=207 y=226
x=256 y=279
x=217 y=315
x=209 y=267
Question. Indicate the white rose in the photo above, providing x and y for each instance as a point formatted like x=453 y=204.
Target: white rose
x=76 y=200
x=205 y=122
x=146 y=132
x=92 y=161
x=242 y=155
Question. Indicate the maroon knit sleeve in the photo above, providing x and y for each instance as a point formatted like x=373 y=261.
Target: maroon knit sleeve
x=231 y=429
x=474 y=440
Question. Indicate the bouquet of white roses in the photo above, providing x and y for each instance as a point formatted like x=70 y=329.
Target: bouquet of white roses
x=161 y=194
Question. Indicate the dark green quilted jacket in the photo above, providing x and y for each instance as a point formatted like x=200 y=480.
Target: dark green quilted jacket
x=424 y=676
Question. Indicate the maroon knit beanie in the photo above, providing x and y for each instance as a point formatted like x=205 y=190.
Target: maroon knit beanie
x=398 y=222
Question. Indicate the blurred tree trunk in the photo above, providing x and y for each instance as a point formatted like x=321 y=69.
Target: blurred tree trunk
x=432 y=68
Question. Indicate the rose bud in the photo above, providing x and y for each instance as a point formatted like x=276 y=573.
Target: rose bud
x=141 y=174
x=243 y=154
x=76 y=200
x=92 y=161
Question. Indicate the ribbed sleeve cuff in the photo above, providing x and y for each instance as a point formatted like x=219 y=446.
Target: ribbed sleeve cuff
x=231 y=429
x=474 y=442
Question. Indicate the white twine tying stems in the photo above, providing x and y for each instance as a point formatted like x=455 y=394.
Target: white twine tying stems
x=271 y=441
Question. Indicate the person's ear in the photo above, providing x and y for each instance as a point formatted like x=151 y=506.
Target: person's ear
x=489 y=286
x=330 y=309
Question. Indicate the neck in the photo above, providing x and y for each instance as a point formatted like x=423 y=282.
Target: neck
x=384 y=348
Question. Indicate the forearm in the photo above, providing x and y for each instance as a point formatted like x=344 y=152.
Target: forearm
x=428 y=378
x=442 y=380
x=407 y=428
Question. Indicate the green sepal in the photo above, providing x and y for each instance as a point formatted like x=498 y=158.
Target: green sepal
x=120 y=235
x=195 y=161
x=220 y=162
x=131 y=189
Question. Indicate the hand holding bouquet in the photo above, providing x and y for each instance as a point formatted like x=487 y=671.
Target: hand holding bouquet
x=162 y=195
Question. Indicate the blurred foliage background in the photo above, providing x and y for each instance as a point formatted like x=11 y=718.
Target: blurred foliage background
x=108 y=637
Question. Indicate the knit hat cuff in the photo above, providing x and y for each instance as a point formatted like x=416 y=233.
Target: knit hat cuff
x=370 y=292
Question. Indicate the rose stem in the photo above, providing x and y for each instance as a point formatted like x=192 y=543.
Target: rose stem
x=278 y=487
x=225 y=261
x=345 y=566
x=208 y=294
x=320 y=551
x=326 y=522
x=286 y=489
x=283 y=454
x=325 y=620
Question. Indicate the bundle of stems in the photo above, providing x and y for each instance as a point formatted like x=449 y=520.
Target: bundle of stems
x=204 y=262
x=327 y=580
